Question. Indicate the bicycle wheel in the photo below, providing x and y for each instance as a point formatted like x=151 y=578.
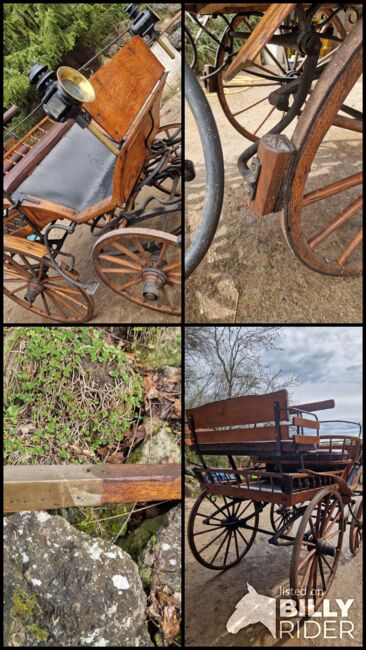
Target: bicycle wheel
x=214 y=168
x=325 y=232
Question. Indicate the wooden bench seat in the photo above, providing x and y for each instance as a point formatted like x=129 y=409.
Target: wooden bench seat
x=264 y=427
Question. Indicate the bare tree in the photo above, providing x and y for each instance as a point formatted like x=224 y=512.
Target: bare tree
x=228 y=361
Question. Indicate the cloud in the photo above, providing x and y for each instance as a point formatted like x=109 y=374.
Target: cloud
x=328 y=364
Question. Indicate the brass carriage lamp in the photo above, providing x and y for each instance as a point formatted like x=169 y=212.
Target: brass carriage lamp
x=63 y=94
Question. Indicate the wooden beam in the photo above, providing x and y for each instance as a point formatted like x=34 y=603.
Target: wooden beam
x=44 y=487
x=314 y=406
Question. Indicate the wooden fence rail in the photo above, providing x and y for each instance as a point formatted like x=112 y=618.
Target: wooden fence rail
x=38 y=487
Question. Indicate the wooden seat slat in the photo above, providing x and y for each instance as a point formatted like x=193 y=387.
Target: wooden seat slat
x=307 y=424
x=238 y=435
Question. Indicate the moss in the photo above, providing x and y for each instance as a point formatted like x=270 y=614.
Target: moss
x=24 y=611
x=135 y=543
x=38 y=633
x=24 y=605
x=145 y=575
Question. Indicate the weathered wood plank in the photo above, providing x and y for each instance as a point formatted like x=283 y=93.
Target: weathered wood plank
x=38 y=487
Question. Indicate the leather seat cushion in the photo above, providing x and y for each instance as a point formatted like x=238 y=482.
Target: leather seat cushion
x=76 y=173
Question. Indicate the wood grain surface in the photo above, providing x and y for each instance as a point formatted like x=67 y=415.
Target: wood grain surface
x=248 y=409
x=38 y=487
x=122 y=86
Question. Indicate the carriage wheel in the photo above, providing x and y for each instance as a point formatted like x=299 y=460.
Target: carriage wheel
x=317 y=548
x=279 y=516
x=216 y=535
x=245 y=97
x=31 y=281
x=141 y=265
x=322 y=220
x=355 y=533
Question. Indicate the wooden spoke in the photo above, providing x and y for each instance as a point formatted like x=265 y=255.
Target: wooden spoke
x=220 y=546
x=131 y=283
x=66 y=304
x=23 y=286
x=204 y=532
x=232 y=544
x=356 y=241
x=265 y=120
x=336 y=223
x=120 y=261
x=45 y=304
x=309 y=231
x=52 y=296
x=323 y=513
x=126 y=251
x=333 y=188
x=146 y=264
x=247 y=108
x=118 y=270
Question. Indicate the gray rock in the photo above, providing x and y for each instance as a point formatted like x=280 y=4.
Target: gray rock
x=76 y=590
x=160 y=447
x=161 y=560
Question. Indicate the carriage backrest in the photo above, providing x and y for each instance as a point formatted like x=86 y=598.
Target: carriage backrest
x=207 y=419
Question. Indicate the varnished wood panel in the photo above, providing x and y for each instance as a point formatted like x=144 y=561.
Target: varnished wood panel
x=122 y=86
x=248 y=409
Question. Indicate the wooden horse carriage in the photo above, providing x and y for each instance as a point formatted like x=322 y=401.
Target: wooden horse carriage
x=95 y=165
x=285 y=75
x=310 y=480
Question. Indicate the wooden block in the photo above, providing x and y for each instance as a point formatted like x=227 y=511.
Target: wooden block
x=274 y=153
x=308 y=424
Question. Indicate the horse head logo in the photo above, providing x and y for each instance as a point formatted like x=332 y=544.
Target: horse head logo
x=253 y=608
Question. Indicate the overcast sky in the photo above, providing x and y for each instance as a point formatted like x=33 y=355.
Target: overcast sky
x=328 y=362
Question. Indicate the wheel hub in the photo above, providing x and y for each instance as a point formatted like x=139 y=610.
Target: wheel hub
x=325 y=548
x=34 y=288
x=154 y=280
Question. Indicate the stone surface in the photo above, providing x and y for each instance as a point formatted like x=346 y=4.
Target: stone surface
x=161 y=561
x=159 y=447
x=64 y=588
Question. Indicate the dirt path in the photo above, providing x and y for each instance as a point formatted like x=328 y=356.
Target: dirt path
x=109 y=306
x=250 y=274
x=211 y=596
